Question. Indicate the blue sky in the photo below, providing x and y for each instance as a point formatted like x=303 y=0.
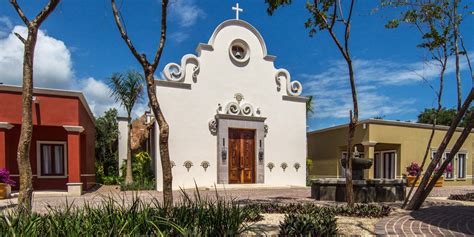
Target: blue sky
x=79 y=48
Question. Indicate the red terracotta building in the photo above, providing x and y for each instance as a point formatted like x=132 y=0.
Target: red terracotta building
x=62 y=152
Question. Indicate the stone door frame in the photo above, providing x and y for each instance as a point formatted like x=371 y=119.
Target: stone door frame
x=226 y=121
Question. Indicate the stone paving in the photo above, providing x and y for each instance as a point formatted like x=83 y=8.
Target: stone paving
x=438 y=217
x=43 y=200
x=430 y=221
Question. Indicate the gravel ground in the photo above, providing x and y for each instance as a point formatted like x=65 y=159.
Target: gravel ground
x=356 y=226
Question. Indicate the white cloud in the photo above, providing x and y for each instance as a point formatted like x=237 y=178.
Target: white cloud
x=53 y=69
x=98 y=95
x=186 y=11
x=179 y=36
x=331 y=88
x=52 y=65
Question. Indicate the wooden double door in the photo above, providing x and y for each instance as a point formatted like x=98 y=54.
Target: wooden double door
x=241 y=156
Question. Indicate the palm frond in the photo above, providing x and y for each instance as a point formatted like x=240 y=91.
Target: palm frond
x=127 y=89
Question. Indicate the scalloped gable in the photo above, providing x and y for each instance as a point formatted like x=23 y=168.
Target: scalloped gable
x=174 y=72
x=210 y=44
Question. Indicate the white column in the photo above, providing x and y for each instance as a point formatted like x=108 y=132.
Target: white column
x=122 y=141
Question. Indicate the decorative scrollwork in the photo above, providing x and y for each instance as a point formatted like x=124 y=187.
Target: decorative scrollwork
x=213 y=126
x=297 y=166
x=233 y=108
x=205 y=165
x=270 y=166
x=293 y=88
x=177 y=73
x=284 y=165
x=239 y=107
x=188 y=164
x=246 y=109
x=172 y=164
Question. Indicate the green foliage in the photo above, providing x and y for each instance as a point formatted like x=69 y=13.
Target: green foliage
x=143 y=177
x=445 y=116
x=110 y=218
x=190 y=217
x=322 y=13
x=141 y=167
x=127 y=89
x=359 y=210
x=148 y=184
x=274 y=4
x=105 y=152
x=433 y=18
x=314 y=224
x=462 y=197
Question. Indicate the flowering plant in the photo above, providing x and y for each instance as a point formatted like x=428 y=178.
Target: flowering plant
x=449 y=168
x=413 y=169
x=5 y=177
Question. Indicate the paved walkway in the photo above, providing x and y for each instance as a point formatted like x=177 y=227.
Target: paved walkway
x=438 y=217
x=430 y=221
x=45 y=200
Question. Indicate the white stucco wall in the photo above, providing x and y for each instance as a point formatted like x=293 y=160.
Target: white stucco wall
x=188 y=111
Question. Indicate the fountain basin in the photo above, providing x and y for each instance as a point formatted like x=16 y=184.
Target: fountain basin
x=365 y=191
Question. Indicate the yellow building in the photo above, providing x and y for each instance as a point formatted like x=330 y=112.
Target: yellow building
x=392 y=146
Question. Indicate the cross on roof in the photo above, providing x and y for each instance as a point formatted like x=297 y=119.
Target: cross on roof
x=237 y=10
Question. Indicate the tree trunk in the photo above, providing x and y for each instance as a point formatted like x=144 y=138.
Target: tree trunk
x=425 y=179
x=433 y=130
x=163 y=141
x=352 y=127
x=129 y=174
x=25 y=196
x=417 y=199
x=425 y=157
x=456 y=52
x=465 y=133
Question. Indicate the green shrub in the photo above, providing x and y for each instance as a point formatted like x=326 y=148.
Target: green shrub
x=314 y=224
x=136 y=185
x=111 y=180
x=143 y=177
x=462 y=197
x=189 y=217
x=359 y=210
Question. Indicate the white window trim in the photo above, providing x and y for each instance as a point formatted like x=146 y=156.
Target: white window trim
x=466 y=154
x=455 y=162
x=38 y=160
x=381 y=163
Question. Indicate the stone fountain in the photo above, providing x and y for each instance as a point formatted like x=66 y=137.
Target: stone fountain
x=365 y=190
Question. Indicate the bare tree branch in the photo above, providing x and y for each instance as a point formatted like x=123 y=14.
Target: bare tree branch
x=20 y=37
x=20 y=12
x=162 y=36
x=334 y=16
x=467 y=57
x=141 y=58
x=348 y=29
x=39 y=19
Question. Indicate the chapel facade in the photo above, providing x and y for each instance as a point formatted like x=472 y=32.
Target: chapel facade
x=234 y=118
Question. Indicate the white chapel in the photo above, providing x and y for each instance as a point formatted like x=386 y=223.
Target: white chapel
x=234 y=118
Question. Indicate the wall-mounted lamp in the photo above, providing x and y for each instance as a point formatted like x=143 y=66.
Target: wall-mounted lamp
x=224 y=150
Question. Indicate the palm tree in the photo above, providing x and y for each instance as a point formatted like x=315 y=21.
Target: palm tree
x=127 y=89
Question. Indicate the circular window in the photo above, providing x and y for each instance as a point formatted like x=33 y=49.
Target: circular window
x=239 y=51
